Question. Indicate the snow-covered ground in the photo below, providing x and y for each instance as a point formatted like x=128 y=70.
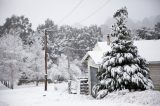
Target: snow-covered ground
x=30 y=95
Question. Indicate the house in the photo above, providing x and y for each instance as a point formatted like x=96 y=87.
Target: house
x=148 y=49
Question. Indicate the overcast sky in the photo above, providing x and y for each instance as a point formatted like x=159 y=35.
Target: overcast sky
x=84 y=12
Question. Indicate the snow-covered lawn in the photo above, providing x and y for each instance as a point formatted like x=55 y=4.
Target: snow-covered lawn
x=57 y=95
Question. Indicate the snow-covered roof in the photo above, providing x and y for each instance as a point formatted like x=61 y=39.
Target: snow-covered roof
x=103 y=46
x=96 y=56
x=148 y=49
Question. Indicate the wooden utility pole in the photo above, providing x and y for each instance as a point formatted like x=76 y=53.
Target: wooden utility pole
x=68 y=63
x=69 y=81
x=45 y=88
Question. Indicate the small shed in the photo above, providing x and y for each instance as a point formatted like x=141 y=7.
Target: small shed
x=148 y=49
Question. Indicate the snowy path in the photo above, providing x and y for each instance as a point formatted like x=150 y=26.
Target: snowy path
x=55 y=96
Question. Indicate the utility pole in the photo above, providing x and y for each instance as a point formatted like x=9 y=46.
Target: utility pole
x=68 y=62
x=45 y=88
x=69 y=81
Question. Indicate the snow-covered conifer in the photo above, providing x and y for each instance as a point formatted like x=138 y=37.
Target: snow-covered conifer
x=122 y=67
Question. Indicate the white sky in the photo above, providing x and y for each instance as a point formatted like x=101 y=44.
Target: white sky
x=39 y=10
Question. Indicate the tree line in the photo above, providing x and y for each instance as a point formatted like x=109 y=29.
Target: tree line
x=148 y=33
x=22 y=48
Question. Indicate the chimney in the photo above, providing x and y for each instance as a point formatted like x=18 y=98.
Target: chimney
x=108 y=40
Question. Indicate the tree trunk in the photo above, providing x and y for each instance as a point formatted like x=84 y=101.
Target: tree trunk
x=12 y=79
x=37 y=81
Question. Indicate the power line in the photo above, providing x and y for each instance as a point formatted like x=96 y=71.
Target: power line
x=94 y=12
x=71 y=48
x=71 y=12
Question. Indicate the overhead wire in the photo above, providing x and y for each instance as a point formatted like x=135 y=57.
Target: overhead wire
x=94 y=12
x=71 y=12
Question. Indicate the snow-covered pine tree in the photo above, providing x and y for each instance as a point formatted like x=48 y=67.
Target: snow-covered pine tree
x=122 y=67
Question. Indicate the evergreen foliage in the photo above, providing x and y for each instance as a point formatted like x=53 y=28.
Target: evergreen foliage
x=149 y=33
x=122 y=67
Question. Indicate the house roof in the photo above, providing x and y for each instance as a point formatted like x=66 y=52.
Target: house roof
x=95 y=55
x=148 y=49
x=103 y=46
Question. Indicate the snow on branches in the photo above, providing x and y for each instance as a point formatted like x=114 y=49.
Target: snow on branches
x=122 y=67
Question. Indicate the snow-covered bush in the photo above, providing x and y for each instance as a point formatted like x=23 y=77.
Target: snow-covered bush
x=122 y=67
x=57 y=73
x=60 y=72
